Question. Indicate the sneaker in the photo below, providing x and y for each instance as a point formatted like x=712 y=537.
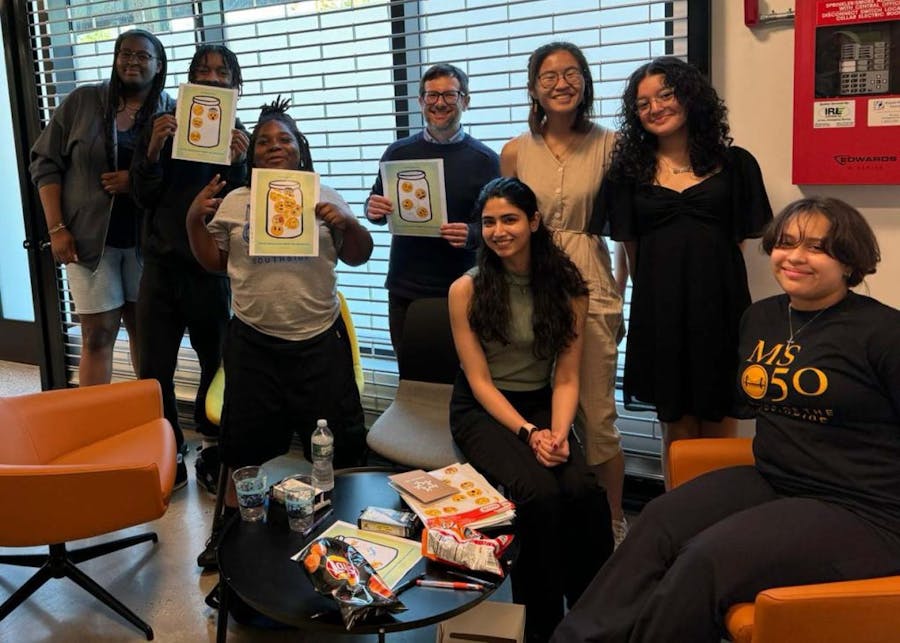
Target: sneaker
x=206 y=467
x=180 y=472
x=619 y=530
x=207 y=558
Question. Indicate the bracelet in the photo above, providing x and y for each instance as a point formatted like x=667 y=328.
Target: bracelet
x=59 y=226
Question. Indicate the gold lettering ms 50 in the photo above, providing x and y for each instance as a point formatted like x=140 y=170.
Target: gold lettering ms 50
x=778 y=355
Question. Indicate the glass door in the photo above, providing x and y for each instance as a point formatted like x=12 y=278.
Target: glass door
x=18 y=330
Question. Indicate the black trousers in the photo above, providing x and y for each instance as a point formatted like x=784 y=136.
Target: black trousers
x=397 y=309
x=174 y=297
x=562 y=517
x=713 y=542
x=275 y=387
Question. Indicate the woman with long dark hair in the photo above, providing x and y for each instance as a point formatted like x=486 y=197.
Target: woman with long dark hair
x=518 y=325
x=683 y=200
x=562 y=157
x=80 y=164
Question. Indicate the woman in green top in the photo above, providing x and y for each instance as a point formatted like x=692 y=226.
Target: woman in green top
x=518 y=321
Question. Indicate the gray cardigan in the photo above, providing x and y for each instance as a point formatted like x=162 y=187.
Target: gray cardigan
x=71 y=151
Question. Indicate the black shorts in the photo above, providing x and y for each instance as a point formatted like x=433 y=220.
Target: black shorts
x=275 y=387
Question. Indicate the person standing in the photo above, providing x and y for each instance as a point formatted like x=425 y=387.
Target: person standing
x=683 y=200
x=420 y=266
x=518 y=326
x=176 y=292
x=562 y=158
x=287 y=325
x=80 y=165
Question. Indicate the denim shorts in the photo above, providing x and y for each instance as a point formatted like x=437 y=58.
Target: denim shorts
x=114 y=282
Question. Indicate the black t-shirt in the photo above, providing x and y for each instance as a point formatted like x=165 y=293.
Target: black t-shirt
x=123 y=221
x=828 y=406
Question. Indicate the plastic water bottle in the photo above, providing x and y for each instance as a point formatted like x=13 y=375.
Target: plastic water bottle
x=322 y=456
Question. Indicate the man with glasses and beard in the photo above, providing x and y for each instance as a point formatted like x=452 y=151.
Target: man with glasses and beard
x=176 y=292
x=422 y=267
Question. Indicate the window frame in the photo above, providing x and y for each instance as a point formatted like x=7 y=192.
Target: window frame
x=406 y=50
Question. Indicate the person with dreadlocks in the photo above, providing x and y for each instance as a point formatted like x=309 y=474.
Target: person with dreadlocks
x=518 y=322
x=287 y=356
x=80 y=165
x=175 y=291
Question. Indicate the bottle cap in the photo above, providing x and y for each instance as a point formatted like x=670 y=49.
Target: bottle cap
x=321 y=422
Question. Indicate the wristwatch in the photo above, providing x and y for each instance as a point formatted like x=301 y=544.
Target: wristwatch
x=525 y=432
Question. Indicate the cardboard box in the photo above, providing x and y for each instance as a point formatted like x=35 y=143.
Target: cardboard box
x=488 y=622
x=388 y=521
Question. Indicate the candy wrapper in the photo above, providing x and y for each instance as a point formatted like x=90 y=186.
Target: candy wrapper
x=469 y=549
x=336 y=569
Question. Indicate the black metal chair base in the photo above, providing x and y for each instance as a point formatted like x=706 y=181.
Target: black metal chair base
x=59 y=563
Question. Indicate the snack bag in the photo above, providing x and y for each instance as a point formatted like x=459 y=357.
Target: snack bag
x=338 y=570
x=465 y=548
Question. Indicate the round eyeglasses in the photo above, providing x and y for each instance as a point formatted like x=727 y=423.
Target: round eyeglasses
x=663 y=98
x=450 y=97
x=571 y=75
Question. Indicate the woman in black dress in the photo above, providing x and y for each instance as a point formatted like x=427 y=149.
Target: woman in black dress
x=682 y=200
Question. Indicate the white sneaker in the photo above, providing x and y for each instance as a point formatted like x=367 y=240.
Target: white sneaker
x=619 y=530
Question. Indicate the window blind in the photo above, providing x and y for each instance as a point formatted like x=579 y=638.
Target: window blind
x=351 y=69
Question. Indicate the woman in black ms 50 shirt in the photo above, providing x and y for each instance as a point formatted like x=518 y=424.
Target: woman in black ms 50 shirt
x=820 y=366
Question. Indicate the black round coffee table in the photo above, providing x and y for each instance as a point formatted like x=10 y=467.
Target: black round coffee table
x=255 y=563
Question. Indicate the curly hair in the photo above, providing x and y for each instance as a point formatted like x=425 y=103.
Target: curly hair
x=634 y=155
x=585 y=110
x=116 y=89
x=554 y=280
x=277 y=111
x=850 y=240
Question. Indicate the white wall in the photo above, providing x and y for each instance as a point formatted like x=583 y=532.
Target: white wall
x=753 y=71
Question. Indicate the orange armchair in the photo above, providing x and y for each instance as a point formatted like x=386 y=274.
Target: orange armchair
x=863 y=610
x=78 y=463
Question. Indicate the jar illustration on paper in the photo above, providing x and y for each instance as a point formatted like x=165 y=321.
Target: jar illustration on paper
x=415 y=197
x=206 y=121
x=284 y=209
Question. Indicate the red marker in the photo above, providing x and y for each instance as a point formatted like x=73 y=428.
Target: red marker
x=446 y=584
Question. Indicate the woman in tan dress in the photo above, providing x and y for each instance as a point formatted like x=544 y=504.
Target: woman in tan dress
x=562 y=158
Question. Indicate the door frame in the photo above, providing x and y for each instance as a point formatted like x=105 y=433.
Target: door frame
x=40 y=342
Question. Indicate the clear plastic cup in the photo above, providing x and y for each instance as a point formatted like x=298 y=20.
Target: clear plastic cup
x=250 y=484
x=299 y=501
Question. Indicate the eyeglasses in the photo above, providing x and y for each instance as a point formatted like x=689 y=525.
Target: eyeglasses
x=450 y=97
x=664 y=97
x=572 y=75
x=127 y=56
